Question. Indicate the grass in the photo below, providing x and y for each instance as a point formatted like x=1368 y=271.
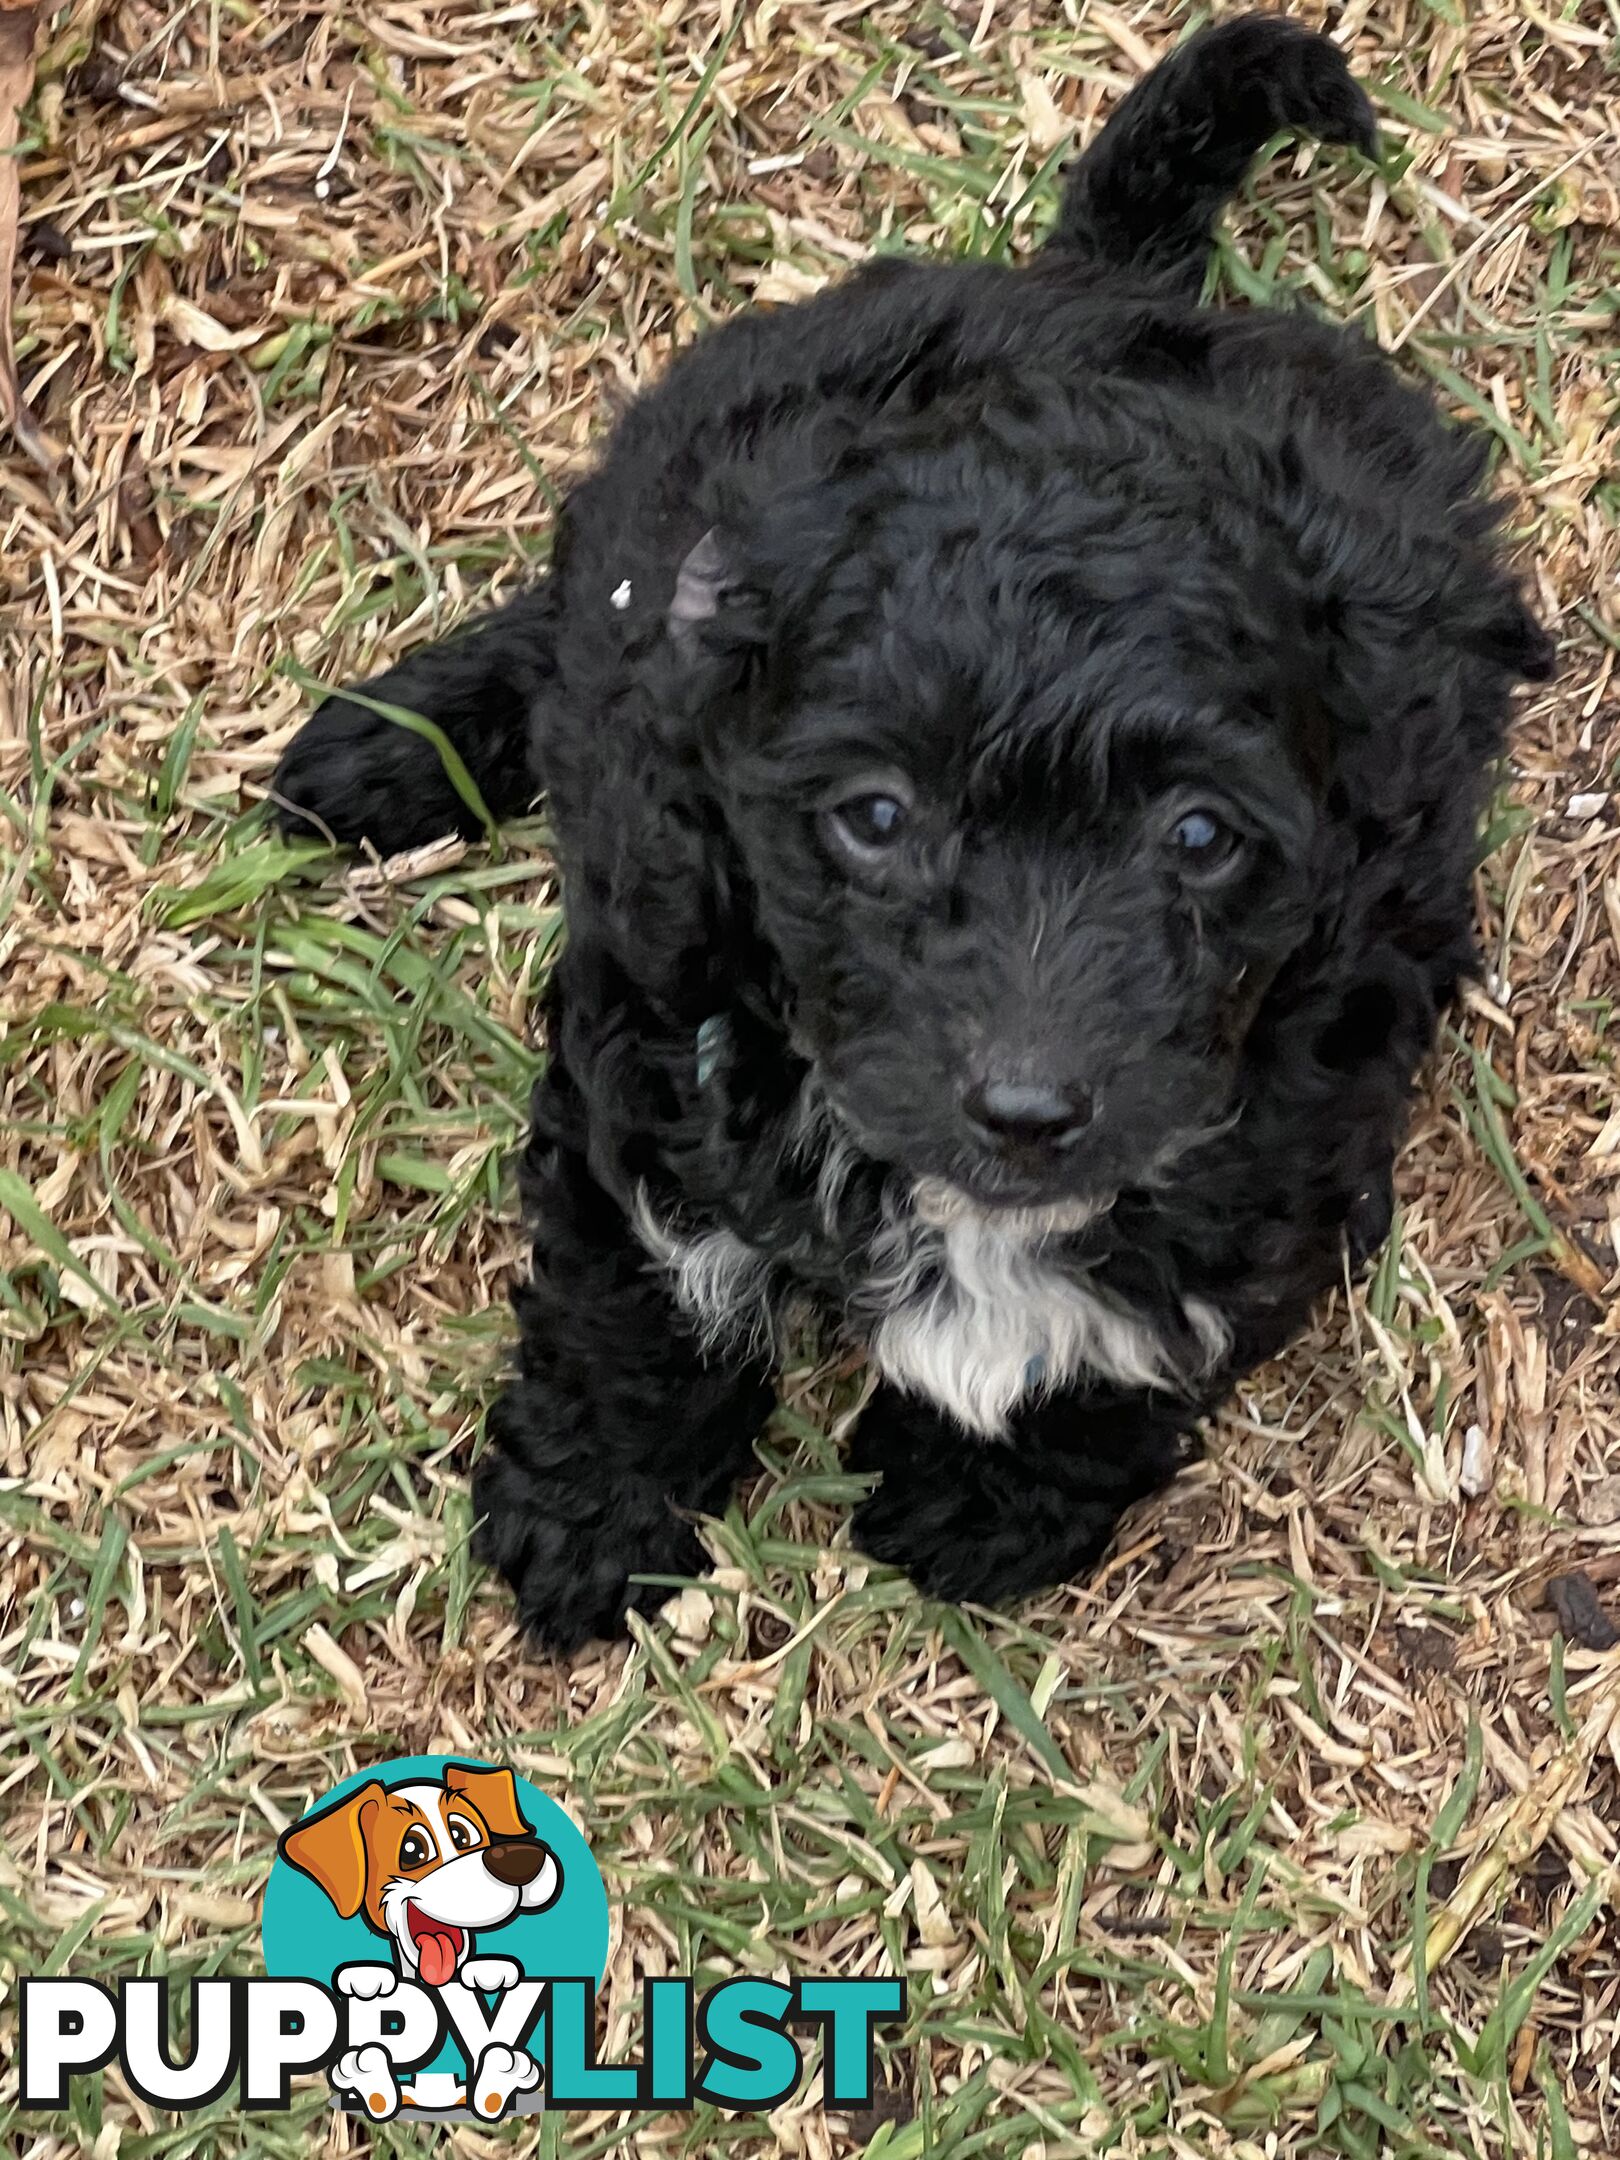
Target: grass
x=1289 y=1834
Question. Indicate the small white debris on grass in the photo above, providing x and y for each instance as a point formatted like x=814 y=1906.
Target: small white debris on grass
x=934 y=1923
x=1475 y=1474
x=1586 y=806
x=692 y=1613
x=949 y=1755
x=620 y=595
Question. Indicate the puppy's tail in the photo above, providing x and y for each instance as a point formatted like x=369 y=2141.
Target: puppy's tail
x=1146 y=194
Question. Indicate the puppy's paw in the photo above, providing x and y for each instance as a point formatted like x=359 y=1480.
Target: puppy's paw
x=965 y=1518
x=368 y=2073
x=503 y=2073
x=931 y=1526
x=957 y=1549
x=350 y=775
x=941 y=1552
x=569 y=1551
x=366 y=1982
x=491 y=1975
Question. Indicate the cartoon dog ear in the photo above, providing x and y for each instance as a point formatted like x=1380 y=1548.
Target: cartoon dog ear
x=494 y=1794
x=330 y=1847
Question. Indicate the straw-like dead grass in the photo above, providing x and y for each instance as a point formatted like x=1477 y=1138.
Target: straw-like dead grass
x=1291 y=1834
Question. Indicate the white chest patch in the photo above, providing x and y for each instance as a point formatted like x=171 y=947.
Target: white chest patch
x=969 y=1308
x=978 y=1316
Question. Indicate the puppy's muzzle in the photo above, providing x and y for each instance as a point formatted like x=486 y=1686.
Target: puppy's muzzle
x=515 y=1861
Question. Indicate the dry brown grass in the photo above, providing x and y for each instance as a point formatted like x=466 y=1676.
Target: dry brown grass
x=316 y=306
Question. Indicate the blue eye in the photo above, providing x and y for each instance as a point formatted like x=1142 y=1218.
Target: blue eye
x=1197 y=831
x=1205 y=845
x=869 y=823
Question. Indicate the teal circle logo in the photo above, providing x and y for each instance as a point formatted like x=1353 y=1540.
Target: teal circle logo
x=436 y=1873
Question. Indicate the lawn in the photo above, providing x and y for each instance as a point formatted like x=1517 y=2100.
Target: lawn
x=1293 y=1833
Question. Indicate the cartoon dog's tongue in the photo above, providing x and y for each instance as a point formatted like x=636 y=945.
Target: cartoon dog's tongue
x=437 y=1942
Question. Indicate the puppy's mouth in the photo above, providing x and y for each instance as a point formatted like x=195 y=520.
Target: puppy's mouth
x=438 y=1944
x=942 y=1203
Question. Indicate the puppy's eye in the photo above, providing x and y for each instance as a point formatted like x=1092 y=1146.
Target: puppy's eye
x=1203 y=842
x=1197 y=830
x=462 y=1835
x=414 y=1850
x=871 y=823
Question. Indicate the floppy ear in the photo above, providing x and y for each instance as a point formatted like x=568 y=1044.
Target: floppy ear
x=330 y=1847
x=700 y=584
x=714 y=615
x=494 y=1794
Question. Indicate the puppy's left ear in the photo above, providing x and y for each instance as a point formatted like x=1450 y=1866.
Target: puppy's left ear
x=494 y=1794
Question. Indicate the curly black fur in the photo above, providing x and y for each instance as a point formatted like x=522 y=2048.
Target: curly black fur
x=1015 y=741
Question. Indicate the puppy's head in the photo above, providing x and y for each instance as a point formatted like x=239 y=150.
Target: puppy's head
x=428 y=1864
x=1045 y=766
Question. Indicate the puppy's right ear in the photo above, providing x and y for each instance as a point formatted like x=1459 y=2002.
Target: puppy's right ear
x=330 y=1847
x=715 y=616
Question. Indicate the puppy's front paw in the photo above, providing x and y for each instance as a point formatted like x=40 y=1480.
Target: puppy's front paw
x=969 y=1520
x=491 y=1975
x=351 y=775
x=569 y=1555
x=957 y=1549
x=503 y=2073
x=368 y=2073
x=940 y=1548
x=366 y=1982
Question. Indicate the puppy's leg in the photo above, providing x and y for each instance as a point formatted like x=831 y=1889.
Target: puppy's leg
x=357 y=775
x=995 y=1520
x=617 y=1421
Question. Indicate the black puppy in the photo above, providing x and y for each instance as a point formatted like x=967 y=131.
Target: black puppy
x=1014 y=740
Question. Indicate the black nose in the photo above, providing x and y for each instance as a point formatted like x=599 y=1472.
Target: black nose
x=1027 y=1114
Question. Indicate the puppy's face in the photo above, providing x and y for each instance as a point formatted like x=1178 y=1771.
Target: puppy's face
x=1024 y=965
x=1029 y=856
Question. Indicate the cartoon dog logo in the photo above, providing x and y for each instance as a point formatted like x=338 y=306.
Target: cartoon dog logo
x=430 y=1865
